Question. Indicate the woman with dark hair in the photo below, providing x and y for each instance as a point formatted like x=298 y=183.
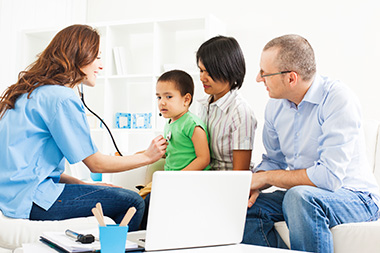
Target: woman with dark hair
x=230 y=121
x=42 y=121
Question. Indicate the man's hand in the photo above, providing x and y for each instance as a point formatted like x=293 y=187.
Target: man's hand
x=258 y=183
x=281 y=178
x=253 y=196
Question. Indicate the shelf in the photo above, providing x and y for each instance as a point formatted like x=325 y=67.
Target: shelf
x=134 y=54
x=136 y=42
x=125 y=130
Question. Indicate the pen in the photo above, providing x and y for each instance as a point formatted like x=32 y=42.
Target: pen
x=89 y=238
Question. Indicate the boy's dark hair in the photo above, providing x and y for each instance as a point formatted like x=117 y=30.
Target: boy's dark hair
x=182 y=80
x=224 y=60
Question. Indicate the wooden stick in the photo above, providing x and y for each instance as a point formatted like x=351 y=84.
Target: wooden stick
x=98 y=216
x=100 y=209
x=128 y=216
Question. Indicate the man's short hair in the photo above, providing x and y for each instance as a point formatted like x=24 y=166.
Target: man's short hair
x=294 y=54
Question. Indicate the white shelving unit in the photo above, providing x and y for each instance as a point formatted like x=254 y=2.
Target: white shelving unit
x=150 y=48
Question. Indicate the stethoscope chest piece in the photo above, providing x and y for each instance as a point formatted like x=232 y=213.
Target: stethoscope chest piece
x=168 y=136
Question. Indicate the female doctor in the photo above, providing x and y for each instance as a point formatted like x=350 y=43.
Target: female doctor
x=42 y=121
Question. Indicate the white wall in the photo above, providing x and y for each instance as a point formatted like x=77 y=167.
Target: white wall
x=19 y=15
x=345 y=34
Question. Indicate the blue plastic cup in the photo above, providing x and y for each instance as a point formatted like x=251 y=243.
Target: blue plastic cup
x=113 y=238
x=96 y=176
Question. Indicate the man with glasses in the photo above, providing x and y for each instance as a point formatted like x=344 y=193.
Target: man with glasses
x=315 y=150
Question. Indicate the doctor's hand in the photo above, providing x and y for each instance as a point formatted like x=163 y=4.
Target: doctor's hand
x=156 y=149
x=104 y=184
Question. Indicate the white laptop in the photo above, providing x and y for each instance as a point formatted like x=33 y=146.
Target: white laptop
x=196 y=209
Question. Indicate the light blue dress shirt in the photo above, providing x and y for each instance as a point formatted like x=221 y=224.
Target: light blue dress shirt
x=323 y=134
x=35 y=137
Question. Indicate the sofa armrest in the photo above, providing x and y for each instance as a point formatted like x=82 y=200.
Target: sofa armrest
x=159 y=165
x=15 y=232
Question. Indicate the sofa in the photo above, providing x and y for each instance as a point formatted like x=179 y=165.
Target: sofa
x=362 y=236
x=353 y=237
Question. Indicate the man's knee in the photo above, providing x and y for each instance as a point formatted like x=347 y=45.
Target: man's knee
x=298 y=197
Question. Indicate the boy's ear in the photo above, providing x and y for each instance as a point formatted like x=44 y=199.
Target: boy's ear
x=187 y=99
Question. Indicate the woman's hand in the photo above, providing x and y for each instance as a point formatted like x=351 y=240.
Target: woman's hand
x=156 y=149
x=104 y=184
x=66 y=179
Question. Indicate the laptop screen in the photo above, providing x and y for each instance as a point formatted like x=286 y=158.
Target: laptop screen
x=197 y=208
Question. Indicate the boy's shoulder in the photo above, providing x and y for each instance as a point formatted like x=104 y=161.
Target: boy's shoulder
x=192 y=117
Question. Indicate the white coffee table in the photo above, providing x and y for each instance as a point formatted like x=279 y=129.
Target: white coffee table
x=239 y=248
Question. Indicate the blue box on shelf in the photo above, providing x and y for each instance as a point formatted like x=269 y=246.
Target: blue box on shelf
x=123 y=120
x=141 y=120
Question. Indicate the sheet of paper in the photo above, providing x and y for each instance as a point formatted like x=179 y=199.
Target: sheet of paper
x=68 y=243
x=37 y=247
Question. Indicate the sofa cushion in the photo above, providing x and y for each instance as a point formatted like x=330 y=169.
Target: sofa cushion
x=15 y=232
x=349 y=237
x=357 y=237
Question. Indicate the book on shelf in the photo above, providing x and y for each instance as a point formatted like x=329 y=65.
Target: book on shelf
x=120 y=57
x=62 y=243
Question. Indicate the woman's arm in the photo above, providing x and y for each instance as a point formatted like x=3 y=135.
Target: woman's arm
x=241 y=159
x=66 y=179
x=100 y=163
x=202 y=151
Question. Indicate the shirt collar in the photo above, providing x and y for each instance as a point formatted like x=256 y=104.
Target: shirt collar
x=314 y=94
x=223 y=103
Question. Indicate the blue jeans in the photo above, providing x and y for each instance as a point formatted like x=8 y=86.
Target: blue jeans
x=309 y=213
x=78 y=200
x=145 y=217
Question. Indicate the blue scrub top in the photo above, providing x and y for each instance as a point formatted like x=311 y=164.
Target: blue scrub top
x=35 y=137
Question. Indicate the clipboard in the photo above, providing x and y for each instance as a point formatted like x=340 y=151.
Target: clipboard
x=62 y=248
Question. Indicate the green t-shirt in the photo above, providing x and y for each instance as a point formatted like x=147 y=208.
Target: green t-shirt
x=180 y=151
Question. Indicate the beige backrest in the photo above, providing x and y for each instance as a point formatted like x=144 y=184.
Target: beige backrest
x=371 y=132
x=376 y=170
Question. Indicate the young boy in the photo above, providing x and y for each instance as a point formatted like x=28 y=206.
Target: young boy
x=186 y=134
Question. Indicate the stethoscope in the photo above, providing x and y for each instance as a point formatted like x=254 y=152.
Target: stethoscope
x=101 y=120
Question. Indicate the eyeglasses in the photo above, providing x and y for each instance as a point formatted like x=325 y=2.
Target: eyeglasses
x=278 y=73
